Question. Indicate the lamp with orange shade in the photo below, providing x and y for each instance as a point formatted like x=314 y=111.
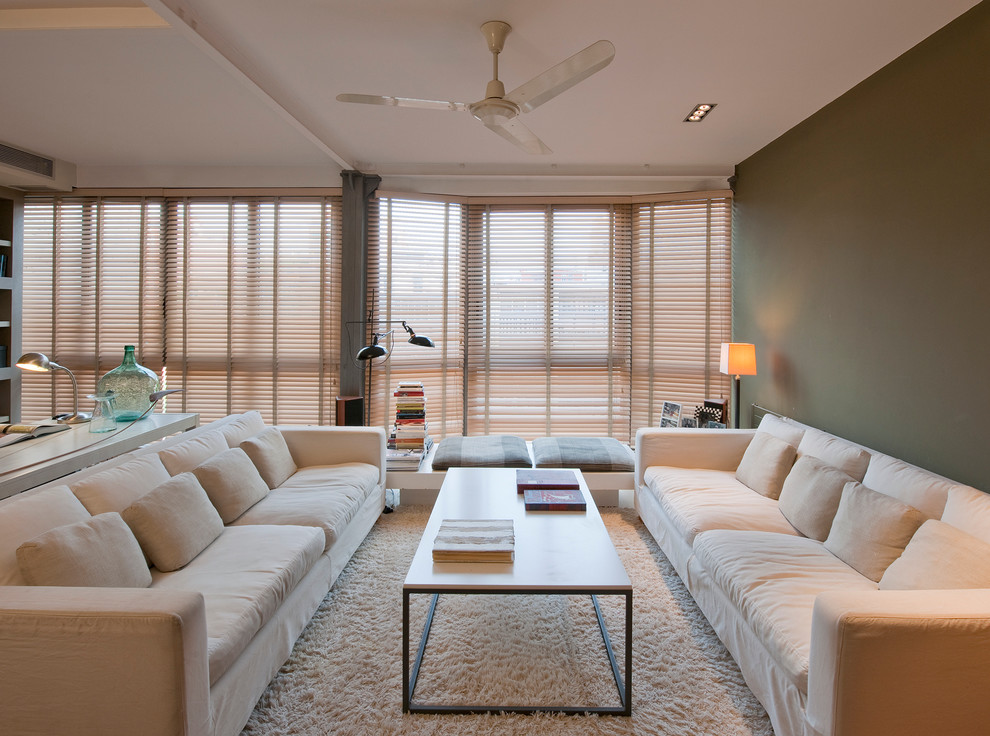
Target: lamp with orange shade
x=737 y=359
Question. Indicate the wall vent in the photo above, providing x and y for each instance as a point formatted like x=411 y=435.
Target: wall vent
x=27 y=161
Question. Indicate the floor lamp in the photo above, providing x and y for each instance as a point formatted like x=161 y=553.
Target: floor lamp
x=368 y=353
x=737 y=359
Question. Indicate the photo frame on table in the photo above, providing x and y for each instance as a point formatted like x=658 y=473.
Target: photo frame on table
x=715 y=425
x=687 y=421
x=670 y=414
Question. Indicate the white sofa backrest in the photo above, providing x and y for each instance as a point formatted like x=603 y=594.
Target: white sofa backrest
x=915 y=486
x=782 y=428
x=847 y=456
x=117 y=487
x=187 y=455
x=28 y=514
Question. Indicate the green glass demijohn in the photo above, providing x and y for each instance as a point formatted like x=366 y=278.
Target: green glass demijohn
x=132 y=384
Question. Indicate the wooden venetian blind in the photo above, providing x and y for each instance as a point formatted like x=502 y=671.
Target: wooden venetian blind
x=235 y=300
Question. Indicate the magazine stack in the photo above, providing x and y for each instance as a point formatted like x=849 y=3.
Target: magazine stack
x=410 y=438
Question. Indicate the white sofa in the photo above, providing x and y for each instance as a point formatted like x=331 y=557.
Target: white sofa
x=852 y=609
x=188 y=651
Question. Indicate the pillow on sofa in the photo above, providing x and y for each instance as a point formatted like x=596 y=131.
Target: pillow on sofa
x=810 y=496
x=232 y=483
x=765 y=464
x=834 y=451
x=99 y=552
x=871 y=530
x=914 y=486
x=939 y=557
x=246 y=425
x=969 y=510
x=117 y=488
x=27 y=515
x=174 y=522
x=270 y=456
x=186 y=455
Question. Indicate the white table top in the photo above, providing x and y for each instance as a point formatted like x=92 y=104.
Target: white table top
x=554 y=550
x=38 y=460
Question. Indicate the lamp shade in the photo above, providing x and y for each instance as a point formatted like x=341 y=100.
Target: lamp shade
x=371 y=351
x=37 y=362
x=738 y=359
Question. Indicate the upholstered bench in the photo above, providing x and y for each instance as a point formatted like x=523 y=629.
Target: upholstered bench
x=490 y=451
x=590 y=454
x=607 y=464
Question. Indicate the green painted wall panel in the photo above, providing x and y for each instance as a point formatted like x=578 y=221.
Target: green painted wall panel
x=861 y=256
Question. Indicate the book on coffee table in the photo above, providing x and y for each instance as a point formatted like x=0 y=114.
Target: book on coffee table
x=529 y=479
x=563 y=499
x=474 y=540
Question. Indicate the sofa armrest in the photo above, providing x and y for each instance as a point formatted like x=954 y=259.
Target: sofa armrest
x=904 y=662
x=109 y=661
x=713 y=449
x=335 y=445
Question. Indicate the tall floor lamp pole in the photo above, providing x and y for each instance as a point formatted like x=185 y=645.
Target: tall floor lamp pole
x=737 y=359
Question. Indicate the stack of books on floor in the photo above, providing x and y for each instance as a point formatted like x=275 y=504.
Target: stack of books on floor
x=410 y=439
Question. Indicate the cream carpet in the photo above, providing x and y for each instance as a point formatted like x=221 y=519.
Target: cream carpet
x=345 y=673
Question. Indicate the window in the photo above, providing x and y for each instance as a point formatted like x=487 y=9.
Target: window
x=577 y=318
x=235 y=300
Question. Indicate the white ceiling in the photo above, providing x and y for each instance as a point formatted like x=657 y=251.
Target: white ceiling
x=242 y=92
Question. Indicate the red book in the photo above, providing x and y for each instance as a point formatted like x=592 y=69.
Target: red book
x=528 y=479
x=563 y=499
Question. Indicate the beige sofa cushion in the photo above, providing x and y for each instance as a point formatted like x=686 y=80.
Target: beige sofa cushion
x=244 y=576
x=174 y=522
x=232 y=483
x=871 y=530
x=773 y=580
x=270 y=456
x=246 y=425
x=98 y=552
x=969 y=510
x=765 y=464
x=188 y=454
x=939 y=556
x=698 y=500
x=834 y=451
x=810 y=496
x=118 y=487
x=908 y=483
x=27 y=515
x=324 y=496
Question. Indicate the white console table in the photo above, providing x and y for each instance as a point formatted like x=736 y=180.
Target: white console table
x=35 y=461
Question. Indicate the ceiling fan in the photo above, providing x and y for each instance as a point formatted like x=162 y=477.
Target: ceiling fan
x=499 y=112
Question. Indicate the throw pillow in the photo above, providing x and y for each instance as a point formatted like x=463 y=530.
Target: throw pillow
x=788 y=431
x=908 y=483
x=939 y=557
x=838 y=453
x=765 y=464
x=969 y=510
x=174 y=522
x=810 y=496
x=99 y=552
x=232 y=483
x=270 y=456
x=871 y=530
x=246 y=425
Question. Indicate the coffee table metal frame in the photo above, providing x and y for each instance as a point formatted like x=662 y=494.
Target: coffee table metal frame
x=464 y=480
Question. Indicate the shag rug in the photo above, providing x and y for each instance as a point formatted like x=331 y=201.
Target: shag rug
x=345 y=674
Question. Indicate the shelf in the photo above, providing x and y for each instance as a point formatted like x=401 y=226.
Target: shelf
x=4 y=243
x=4 y=323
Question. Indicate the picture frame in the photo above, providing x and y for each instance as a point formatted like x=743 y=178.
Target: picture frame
x=715 y=425
x=689 y=421
x=670 y=414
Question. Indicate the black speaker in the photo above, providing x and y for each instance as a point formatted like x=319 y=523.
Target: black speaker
x=350 y=411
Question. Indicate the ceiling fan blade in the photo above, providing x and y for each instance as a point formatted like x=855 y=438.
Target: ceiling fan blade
x=517 y=133
x=565 y=75
x=404 y=102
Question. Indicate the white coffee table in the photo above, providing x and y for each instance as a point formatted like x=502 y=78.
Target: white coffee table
x=556 y=553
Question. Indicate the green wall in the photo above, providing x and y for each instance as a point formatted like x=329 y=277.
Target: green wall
x=861 y=259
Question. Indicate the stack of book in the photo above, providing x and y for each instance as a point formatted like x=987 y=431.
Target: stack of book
x=474 y=540
x=410 y=438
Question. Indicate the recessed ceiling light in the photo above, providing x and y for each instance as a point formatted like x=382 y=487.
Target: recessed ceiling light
x=699 y=112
